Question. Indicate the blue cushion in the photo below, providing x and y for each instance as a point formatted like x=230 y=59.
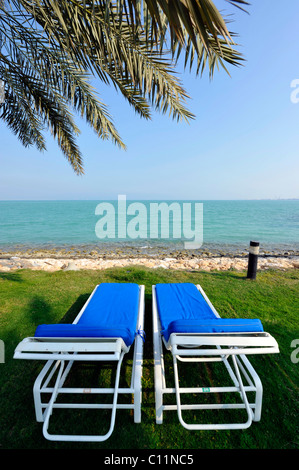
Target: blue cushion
x=71 y=330
x=112 y=311
x=219 y=325
x=183 y=309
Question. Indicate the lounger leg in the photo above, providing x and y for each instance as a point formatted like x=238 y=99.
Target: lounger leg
x=215 y=426
x=258 y=388
x=81 y=438
x=41 y=383
x=37 y=391
x=159 y=381
x=137 y=378
x=136 y=386
x=51 y=403
x=158 y=363
x=138 y=361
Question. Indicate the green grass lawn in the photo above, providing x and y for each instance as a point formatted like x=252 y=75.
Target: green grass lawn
x=28 y=298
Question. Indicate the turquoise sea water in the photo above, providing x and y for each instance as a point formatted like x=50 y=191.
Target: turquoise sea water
x=227 y=225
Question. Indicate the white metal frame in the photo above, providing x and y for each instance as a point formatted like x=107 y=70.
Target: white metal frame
x=213 y=347
x=61 y=353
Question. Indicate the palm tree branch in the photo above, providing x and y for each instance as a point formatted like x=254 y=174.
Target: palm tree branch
x=114 y=49
x=22 y=121
x=63 y=77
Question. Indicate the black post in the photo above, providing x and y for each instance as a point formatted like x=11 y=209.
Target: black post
x=252 y=259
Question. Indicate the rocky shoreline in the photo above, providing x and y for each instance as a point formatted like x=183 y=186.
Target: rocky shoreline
x=134 y=252
x=68 y=259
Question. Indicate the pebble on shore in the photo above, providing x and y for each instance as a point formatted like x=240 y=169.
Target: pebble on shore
x=190 y=264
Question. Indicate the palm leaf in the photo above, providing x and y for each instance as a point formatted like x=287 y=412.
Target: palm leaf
x=47 y=80
x=111 y=50
x=51 y=49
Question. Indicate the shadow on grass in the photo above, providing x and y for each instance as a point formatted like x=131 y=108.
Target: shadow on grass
x=148 y=327
x=73 y=311
x=227 y=274
x=39 y=311
x=15 y=277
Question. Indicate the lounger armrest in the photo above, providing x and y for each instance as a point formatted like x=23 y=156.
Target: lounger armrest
x=215 y=344
x=75 y=349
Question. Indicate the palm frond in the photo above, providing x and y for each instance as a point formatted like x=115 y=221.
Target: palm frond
x=22 y=121
x=50 y=50
x=111 y=48
x=46 y=79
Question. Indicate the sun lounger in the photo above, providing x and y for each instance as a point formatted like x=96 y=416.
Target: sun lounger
x=186 y=323
x=110 y=322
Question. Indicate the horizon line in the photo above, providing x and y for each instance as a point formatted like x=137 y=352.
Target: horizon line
x=147 y=199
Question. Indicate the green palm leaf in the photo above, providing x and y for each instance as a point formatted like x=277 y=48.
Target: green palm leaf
x=51 y=49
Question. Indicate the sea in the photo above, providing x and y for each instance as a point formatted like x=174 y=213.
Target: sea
x=225 y=226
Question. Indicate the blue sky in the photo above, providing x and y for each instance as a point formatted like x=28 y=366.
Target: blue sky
x=243 y=144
